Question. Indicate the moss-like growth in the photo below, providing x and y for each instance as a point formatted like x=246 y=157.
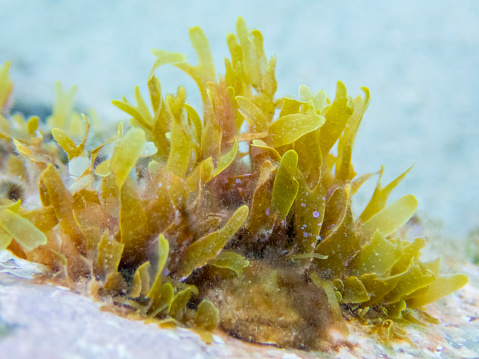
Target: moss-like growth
x=180 y=224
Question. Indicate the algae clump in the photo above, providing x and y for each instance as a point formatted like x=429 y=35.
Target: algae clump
x=183 y=226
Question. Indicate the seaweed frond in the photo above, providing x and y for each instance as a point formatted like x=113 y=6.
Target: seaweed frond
x=174 y=221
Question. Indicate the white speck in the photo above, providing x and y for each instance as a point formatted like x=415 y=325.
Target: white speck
x=218 y=340
x=159 y=184
x=315 y=214
x=303 y=204
x=238 y=180
x=324 y=198
x=267 y=211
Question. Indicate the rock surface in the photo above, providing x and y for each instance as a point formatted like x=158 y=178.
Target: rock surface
x=50 y=322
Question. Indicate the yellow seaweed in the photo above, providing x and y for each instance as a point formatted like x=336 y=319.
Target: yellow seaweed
x=230 y=260
x=238 y=216
x=22 y=230
x=208 y=247
x=285 y=186
x=126 y=154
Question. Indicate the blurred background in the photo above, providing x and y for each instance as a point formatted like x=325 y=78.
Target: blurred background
x=420 y=61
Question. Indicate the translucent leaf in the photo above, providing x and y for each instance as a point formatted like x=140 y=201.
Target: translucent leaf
x=22 y=149
x=289 y=128
x=359 y=181
x=62 y=201
x=212 y=136
x=65 y=142
x=226 y=160
x=318 y=100
x=6 y=84
x=178 y=305
x=335 y=212
x=340 y=247
x=354 y=291
x=109 y=255
x=252 y=114
x=126 y=154
x=230 y=260
x=142 y=107
x=103 y=169
x=394 y=216
x=261 y=204
x=253 y=136
x=15 y=166
x=166 y=58
x=395 y=310
x=154 y=88
x=133 y=226
x=250 y=61
x=290 y=106
x=148 y=150
x=115 y=283
x=203 y=173
x=163 y=250
x=285 y=187
x=310 y=159
x=264 y=145
x=270 y=84
x=133 y=112
x=377 y=256
x=208 y=247
x=416 y=277
x=141 y=281
x=177 y=189
x=180 y=150
x=378 y=287
x=205 y=66
x=12 y=206
x=207 y=316
x=32 y=125
x=380 y=196
x=408 y=252
x=337 y=117
x=90 y=218
x=20 y=229
x=43 y=218
x=309 y=209
x=434 y=266
x=441 y=287
x=63 y=107
x=162 y=301
x=203 y=72
x=346 y=141
x=195 y=118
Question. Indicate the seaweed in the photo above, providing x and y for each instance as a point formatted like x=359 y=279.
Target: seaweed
x=183 y=226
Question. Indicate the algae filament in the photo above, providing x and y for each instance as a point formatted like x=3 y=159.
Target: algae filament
x=182 y=226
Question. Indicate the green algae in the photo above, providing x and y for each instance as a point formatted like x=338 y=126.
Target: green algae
x=181 y=217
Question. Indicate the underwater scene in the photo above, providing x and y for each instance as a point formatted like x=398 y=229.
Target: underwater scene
x=213 y=180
